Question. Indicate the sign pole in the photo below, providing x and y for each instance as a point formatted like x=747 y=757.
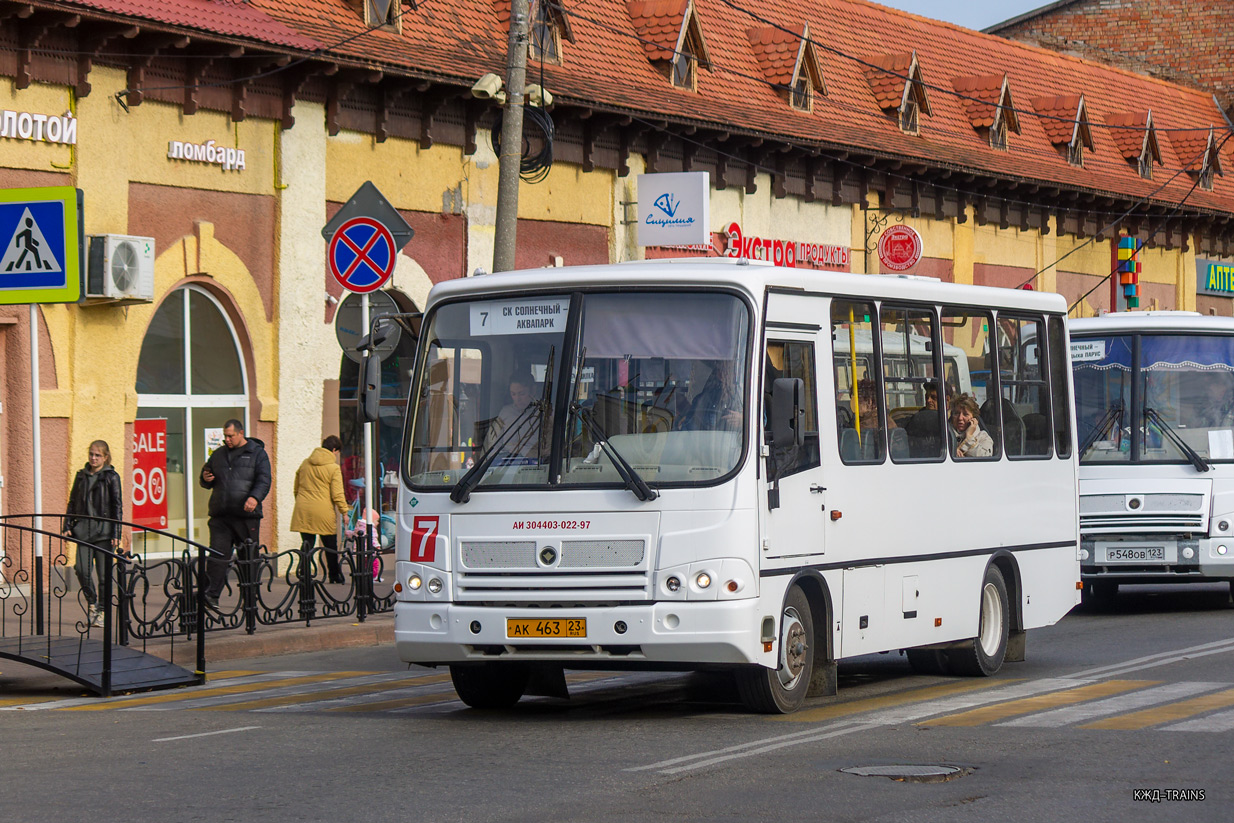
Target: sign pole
x=36 y=443
x=511 y=155
x=368 y=441
x=363 y=241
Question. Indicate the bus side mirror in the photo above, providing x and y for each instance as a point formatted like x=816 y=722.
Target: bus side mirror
x=787 y=412
x=370 y=388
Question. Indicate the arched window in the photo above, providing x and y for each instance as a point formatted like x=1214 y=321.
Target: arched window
x=191 y=374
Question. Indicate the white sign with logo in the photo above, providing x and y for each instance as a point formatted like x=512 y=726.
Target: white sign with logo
x=674 y=209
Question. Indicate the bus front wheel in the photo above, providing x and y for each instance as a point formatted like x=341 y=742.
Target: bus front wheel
x=489 y=685
x=983 y=655
x=782 y=690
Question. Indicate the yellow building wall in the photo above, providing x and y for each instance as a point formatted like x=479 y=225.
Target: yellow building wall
x=96 y=348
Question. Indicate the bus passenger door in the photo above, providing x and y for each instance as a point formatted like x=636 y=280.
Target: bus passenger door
x=793 y=525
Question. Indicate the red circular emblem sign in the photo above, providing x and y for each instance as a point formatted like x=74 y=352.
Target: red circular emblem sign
x=899 y=248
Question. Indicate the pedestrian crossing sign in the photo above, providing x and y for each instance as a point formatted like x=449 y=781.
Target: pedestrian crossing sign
x=40 y=245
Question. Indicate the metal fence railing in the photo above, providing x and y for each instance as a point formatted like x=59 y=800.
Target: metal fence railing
x=147 y=598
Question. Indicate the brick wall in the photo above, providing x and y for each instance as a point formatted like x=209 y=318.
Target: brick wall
x=1180 y=40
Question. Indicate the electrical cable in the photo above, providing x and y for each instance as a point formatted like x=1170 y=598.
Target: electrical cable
x=1162 y=224
x=1117 y=221
x=1165 y=220
x=864 y=112
x=535 y=166
x=939 y=89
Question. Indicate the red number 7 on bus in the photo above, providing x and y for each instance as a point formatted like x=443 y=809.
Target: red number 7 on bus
x=424 y=539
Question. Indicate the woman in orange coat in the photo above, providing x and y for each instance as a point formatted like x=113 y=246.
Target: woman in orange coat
x=319 y=494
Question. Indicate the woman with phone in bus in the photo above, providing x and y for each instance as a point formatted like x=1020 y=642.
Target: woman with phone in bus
x=970 y=440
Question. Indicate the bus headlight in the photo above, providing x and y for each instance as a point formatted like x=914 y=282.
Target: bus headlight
x=672 y=584
x=703 y=580
x=434 y=585
x=414 y=582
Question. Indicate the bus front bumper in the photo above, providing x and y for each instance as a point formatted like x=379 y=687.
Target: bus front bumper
x=1157 y=558
x=686 y=633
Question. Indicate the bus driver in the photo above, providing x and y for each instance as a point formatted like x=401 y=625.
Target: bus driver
x=525 y=441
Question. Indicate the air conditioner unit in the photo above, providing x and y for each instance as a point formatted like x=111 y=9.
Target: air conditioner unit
x=121 y=268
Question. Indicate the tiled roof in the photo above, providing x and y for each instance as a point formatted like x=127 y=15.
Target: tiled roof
x=1058 y=116
x=235 y=18
x=887 y=75
x=658 y=23
x=981 y=96
x=1127 y=132
x=607 y=67
x=776 y=51
x=1190 y=147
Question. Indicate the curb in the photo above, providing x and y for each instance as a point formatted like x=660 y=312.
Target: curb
x=322 y=635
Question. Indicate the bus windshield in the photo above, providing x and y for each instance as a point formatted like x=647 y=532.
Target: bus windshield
x=653 y=383
x=1184 y=398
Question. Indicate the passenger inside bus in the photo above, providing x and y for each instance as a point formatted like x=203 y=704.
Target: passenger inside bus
x=867 y=406
x=525 y=442
x=1214 y=404
x=925 y=427
x=718 y=404
x=967 y=435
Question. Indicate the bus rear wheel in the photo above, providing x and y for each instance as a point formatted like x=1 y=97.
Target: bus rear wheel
x=983 y=655
x=783 y=690
x=489 y=685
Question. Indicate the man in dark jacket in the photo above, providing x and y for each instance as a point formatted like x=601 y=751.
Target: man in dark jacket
x=238 y=476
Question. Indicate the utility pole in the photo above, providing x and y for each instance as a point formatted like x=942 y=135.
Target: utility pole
x=511 y=139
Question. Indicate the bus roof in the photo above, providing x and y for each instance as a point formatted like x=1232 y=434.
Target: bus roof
x=753 y=277
x=1158 y=321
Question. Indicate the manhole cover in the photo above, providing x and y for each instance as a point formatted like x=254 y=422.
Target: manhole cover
x=909 y=772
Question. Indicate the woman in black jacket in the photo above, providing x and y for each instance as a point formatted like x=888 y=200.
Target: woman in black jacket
x=96 y=493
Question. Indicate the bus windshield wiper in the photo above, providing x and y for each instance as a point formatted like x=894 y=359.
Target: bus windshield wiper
x=634 y=482
x=463 y=488
x=461 y=492
x=1151 y=416
x=1111 y=420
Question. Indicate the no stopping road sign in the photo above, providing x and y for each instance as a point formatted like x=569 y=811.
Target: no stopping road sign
x=362 y=254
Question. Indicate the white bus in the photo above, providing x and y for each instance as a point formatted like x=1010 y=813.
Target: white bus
x=1155 y=422
x=713 y=465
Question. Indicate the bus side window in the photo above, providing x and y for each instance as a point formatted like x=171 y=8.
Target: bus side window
x=967 y=344
x=1059 y=369
x=859 y=406
x=793 y=359
x=912 y=385
x=1023 y=381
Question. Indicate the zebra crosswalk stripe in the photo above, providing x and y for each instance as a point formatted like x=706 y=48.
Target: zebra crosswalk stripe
x=920 y=711
x=1219 y=722
x=990 y=714
x=114 y=702
x=1057 y=718
x=885 y=701
x=289 y=694
x=1164 y=714
x=238 y=688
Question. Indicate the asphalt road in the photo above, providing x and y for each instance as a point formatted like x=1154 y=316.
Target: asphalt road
x=1136 y=697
